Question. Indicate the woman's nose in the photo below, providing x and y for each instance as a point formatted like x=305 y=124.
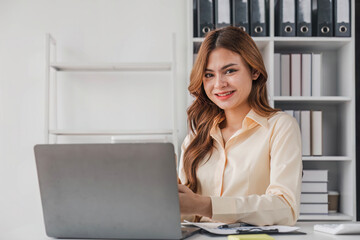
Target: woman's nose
x=220 y=81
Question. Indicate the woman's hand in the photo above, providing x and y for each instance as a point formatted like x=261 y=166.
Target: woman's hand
x=192 y=203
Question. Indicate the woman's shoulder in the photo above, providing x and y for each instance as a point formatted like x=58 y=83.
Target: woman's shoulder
x=189 y=137
x=281 y=118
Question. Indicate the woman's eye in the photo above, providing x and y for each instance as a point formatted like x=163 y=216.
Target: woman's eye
x=208 y=75
x=230 y=71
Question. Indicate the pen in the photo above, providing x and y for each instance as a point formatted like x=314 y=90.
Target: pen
x=234 y=225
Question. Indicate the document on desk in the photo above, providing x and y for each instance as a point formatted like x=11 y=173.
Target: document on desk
x=214 y=228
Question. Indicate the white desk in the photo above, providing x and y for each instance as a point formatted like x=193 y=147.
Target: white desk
x=35 y=231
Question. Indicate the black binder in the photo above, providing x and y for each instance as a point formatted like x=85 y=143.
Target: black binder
x=324 y=23
x=258 y=17
x=285 y=18
x=241 y=14
x=195 y=19
x=205 y=17
x=222 y=13
x=342 y=13
x=303 y=19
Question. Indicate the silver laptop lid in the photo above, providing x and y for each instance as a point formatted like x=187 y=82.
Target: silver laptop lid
x=109 y=190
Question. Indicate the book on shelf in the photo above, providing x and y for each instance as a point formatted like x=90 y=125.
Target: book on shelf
x=314 y=208
x=297 y=116
x=285 y=74
x=277 y=74
x=314 y=198
x=310 y=123
x=295 y=73
x=316 y=77
x=306 y=69
x=314 y=187
x=316 y=133
x=298 y=74
x=305 y=126
x=315 y=176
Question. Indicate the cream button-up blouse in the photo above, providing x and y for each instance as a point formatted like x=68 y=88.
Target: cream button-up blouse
x=256 y=176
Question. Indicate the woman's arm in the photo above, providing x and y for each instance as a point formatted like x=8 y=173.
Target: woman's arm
x=192 y=203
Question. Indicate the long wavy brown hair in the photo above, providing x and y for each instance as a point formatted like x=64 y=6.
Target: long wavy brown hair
x=203 y=113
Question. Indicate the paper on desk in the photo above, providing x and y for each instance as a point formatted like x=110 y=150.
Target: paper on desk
x=213 y=228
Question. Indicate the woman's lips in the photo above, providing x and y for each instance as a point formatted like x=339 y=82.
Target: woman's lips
x=224 y=95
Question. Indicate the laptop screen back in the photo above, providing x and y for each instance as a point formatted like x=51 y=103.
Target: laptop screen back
x=109 y=190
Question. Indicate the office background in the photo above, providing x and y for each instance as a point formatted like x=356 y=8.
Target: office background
x=86 y=31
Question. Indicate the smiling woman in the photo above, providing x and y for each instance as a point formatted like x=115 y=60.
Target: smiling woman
x=241 y=161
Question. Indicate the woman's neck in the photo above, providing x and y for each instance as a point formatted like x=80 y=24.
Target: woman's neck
x=234 y=118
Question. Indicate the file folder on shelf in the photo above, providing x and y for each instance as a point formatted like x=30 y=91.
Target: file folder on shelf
x=222 y=13
x=241 y=14
x=258 y=16
x=285 y=18
x=324 y=18
x=195 y=19
x=205 y=17
x=342 y=18
x=303 y=20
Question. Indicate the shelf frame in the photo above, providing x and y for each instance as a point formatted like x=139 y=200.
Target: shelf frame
x=52 y=66
x=343 y=47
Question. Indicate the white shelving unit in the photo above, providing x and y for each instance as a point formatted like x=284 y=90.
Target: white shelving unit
x=337 y=103
x=51 y=117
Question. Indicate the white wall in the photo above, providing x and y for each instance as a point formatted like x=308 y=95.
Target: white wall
x=86 y=31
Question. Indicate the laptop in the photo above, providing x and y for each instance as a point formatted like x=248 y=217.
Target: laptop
x=123 y=191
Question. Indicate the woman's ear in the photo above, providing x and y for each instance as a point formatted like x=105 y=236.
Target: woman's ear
x=255 y=74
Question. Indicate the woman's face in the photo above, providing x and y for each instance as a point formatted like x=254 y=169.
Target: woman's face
x=228 y=79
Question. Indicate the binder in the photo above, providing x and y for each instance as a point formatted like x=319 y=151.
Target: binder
x=342 y=26
x=306 y=70
x=314 y=198
x=303 y=20
x=205 y=17
x=285 y=18
x=295 y=72
x=314 y=208
x=285 y=74
x=241 y=14
x=316 y=133
x=222 y=13
x=277 y=74
x=316 y=74
x=321 y=175
x=195 y=19
x=305 y=133
x=325 y=18
x=258 y=26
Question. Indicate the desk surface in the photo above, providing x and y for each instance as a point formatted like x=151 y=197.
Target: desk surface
x=35 y=231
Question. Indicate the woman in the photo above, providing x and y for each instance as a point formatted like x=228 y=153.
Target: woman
x=241 y=161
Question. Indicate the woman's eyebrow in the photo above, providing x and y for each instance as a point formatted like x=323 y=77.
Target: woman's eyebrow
x=224 y=67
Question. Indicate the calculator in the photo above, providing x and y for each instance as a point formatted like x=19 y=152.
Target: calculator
x=340 y=228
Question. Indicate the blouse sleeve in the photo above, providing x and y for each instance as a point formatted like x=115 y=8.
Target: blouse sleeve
x=281 y=201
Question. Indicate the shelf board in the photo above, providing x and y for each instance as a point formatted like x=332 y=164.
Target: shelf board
x=326 y=158
x=261 y=42
x=309 y=43
x=109 y=132
x=328 y=217
x=302 y=99
x=110 y=67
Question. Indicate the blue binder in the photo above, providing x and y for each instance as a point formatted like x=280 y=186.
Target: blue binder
x=285 y=18
x=342 y=16
x=222 y=13
x=324 y=18
x=258 y=17
x=205 y=16
x=303 y=20
x=241 y=14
